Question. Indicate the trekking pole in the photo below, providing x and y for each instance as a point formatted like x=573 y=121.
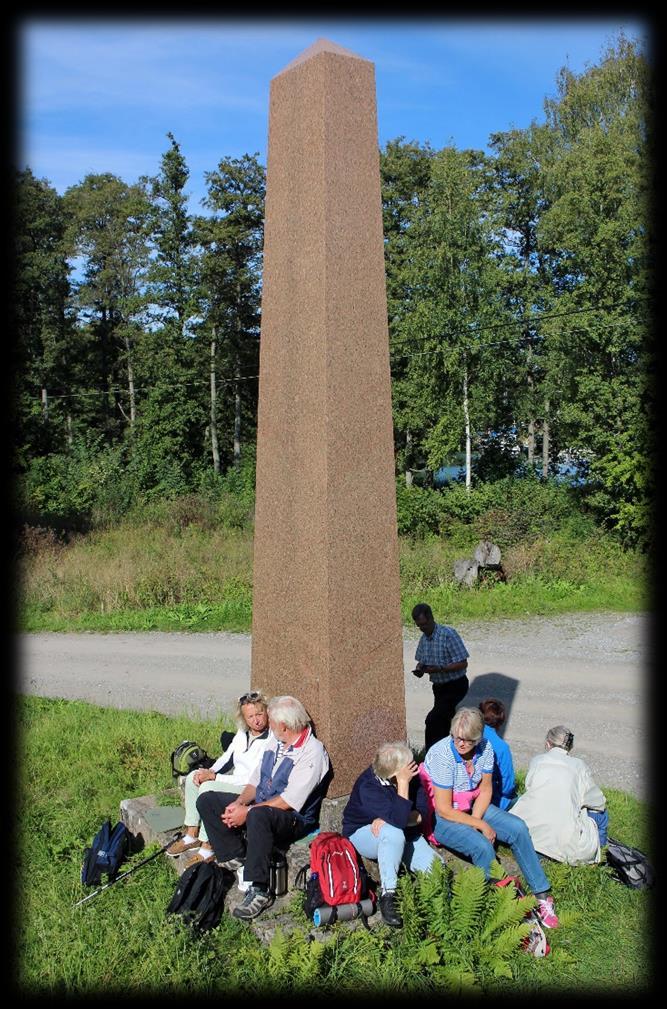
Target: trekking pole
x=129 y=871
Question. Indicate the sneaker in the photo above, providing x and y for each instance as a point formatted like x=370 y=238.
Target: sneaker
x=388 y=909
x=546 y=913
x=178 y=847
x=254 y=902
x=233 y=864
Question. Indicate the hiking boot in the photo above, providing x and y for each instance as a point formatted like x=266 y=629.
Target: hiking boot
x=233 y=864
x=546 y=913
x=254 y=902
x=389 y=910
x=178 y=847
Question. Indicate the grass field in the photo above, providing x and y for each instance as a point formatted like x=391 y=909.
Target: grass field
x=157 y=577
x=75 y=764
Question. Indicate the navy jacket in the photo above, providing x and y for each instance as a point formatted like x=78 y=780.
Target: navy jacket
x=370 y=799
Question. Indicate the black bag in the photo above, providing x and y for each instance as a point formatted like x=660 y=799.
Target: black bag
x=630 y=865
x=200 y=894
x=105 y=854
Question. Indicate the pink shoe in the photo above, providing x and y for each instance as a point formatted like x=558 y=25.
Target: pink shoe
x=546 y=913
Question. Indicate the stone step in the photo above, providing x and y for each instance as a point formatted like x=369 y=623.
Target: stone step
x=137 y=814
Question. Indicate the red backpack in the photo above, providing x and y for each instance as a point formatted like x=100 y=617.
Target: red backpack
x=341 y=877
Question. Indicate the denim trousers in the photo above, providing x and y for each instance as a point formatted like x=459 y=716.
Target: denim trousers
x=602 y=823
x=509 y=829
x=389 y=848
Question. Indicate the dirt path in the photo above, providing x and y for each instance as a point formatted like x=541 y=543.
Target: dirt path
x=588 y=671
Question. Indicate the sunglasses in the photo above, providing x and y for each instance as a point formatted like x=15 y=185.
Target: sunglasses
x=251 y=696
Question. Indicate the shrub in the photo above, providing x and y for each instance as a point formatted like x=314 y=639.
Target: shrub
x=418 y=509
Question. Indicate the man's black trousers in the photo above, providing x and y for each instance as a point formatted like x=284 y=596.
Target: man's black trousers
x=265 y=827
x=439 y=719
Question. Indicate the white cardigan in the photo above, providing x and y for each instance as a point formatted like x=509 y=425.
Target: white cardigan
x=559 y=789
x=247 y=751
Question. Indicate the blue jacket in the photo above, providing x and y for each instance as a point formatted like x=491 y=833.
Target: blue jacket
x=370 y=799
x=504 y=789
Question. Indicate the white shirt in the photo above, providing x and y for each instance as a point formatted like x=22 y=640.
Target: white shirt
x=247 y=751
x=559 y=789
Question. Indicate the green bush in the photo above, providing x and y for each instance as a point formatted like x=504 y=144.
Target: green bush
x=418 y=509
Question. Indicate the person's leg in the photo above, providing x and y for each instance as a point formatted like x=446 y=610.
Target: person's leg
x=446 y=696
x=418 y=855
x=465 y=840
x=227 y=843
x=513 y=830
x=217 y=785
x=602 y=823
x=266 y=826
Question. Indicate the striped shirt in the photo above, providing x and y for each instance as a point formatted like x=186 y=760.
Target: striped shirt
x=447 y=768
x=441 y=649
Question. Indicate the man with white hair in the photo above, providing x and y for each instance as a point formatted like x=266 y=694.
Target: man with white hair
x=279 y=804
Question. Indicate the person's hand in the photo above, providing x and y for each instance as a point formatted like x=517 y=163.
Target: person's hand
x=203 y=774
x=488 y=831
x=377 y=825
x=419 y=671
x=407 y=773
x=235 y=815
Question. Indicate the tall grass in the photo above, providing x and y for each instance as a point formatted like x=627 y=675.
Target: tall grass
x=75 y=764
x=175 y=576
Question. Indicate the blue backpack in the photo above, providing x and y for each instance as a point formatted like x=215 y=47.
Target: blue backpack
x=105 y=854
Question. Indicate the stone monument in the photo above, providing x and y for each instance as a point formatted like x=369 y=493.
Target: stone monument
x=326 y=610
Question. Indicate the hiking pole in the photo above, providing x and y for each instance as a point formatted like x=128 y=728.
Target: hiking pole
x=129 y=871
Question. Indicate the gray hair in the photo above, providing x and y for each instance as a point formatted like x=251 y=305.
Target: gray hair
x=560 y=736
x=257 y=697
x=289 y=711
x=390 y=758
x=468 y=723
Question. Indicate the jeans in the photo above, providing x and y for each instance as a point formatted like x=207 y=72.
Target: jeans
x=509 y=829
x=602 y=823
x=389 y=848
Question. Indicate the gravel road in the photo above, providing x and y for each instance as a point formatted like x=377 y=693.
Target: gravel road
x=588 y=671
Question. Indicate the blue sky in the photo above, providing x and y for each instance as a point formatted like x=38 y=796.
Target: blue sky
x=101 y=95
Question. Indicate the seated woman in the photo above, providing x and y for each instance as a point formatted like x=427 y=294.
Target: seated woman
x=461 y=769
x=229 y=773
x=503 y=786
x=563 y=807
x=382 y=822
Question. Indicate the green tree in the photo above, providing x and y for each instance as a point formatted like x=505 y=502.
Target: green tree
x=231 y=238
x=44 y=338
x=594 y=235
x=107 y=235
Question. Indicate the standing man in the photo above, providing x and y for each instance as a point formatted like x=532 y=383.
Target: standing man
x=279 y=804
x=442 y=654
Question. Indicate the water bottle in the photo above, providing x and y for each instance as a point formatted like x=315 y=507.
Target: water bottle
x=278 y=874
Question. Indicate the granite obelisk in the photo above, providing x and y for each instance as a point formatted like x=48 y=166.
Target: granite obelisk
x=326 y=607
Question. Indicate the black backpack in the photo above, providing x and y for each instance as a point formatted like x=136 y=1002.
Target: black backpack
x=200 y=894
x=105 y=854
x=630 y=865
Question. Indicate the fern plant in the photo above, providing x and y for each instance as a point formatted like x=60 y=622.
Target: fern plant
x=461 y=930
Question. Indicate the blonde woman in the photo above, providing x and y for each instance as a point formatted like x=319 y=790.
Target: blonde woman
x=382 y=821
x=460 y=767
x=230 y=772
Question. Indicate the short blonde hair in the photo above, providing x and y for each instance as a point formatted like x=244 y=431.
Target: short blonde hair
x=468 y=723
x=256 y=697
x=390 y=758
